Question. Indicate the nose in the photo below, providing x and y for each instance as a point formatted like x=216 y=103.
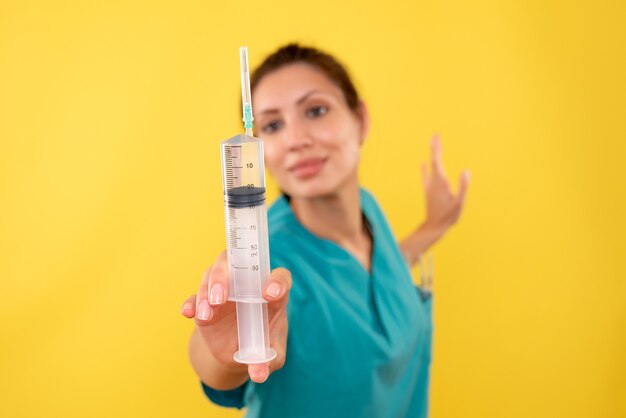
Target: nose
x=298 y=136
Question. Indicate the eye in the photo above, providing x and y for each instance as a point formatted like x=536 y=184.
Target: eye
x=272 y=126
x=316 y=111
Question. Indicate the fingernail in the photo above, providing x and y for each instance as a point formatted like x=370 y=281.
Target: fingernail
x=262 y=374
x=187 y=307
x=204 y=310
x=265 y=374
x=273 y=290
x=217 y=294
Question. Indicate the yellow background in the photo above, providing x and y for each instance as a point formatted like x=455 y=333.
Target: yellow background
x=110 y=119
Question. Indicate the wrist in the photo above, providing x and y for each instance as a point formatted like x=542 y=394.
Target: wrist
x=431 y=231
x=420 y=241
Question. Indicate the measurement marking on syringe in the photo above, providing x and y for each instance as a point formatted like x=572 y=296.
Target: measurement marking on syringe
x=240 y=268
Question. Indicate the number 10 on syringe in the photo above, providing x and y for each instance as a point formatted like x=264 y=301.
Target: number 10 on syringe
x=243 y=178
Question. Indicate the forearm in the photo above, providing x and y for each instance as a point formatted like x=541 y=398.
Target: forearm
x=210 y=371
x=419 y=241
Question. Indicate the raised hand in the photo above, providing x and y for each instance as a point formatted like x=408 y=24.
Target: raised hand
x=443 y=207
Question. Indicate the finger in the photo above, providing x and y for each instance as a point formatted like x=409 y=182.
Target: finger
x=259 y=372
x=425 y=178
x=189 y=307
x=279 y=361
x=435 y=150
x=214 y=292
x=463 y=184
x=278 y=286
x=203 y=310
x=218 y=281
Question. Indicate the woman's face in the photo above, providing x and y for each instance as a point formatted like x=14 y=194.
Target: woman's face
x=311 y=137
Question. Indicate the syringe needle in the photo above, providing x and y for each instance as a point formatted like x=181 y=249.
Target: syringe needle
x=246 y=98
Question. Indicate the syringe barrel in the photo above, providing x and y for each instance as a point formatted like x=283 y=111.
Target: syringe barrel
x=243 y=178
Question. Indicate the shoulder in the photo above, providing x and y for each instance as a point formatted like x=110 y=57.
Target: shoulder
x=372 y=210
x=369 y=202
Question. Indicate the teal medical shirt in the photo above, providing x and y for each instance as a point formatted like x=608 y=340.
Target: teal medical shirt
x=359 y=343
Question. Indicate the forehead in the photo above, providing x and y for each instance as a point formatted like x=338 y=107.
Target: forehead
x=286 y=85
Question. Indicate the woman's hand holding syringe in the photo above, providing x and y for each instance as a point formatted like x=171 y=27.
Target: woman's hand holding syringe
x=214 y=340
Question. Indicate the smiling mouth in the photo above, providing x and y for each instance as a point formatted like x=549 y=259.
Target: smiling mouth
x=308 y=168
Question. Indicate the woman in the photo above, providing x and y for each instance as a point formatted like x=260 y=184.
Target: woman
x=359 y=333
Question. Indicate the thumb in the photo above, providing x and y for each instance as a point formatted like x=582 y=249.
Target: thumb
x=189 y=307
x=259 y=372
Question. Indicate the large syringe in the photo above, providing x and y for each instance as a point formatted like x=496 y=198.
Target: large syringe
x=243 y=177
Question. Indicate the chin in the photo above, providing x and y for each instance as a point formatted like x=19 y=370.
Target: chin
x=307 y=192
x=314 y=188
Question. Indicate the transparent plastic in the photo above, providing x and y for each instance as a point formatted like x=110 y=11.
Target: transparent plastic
x=243 y=176
x=246 y=97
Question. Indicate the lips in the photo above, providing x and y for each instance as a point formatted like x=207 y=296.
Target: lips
x=307 y=168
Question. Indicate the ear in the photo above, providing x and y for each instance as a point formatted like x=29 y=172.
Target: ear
x=364 y=120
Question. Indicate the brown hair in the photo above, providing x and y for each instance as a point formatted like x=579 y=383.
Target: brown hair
x=294 y=53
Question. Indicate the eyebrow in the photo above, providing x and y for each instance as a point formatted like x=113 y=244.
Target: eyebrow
x=299 y=101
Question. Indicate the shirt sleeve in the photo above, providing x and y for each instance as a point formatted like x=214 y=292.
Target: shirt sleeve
x=229 y=398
